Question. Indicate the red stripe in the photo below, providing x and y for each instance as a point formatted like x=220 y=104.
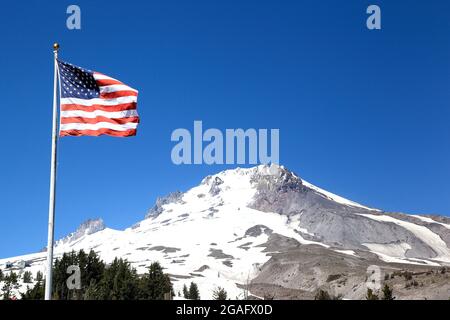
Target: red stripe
x=117 y=94
x=99 y=132
x=66 y=120
x=119 y=107
x=107 y=82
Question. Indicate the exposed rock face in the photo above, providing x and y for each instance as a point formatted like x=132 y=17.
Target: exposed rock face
x=298 y=271
x=333 y=223
x=157 y=209
x=88 y=227
x=257 y=231
x=215 y=186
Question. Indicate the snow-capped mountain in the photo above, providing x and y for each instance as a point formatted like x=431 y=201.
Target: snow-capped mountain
x=86 y=228
x=266 y=230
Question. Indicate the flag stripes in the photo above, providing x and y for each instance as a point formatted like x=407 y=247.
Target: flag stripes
x=98 y=132
x=110 y=108
x=94 y=104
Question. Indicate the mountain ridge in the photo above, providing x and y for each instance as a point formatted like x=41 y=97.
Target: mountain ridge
x=243 y=224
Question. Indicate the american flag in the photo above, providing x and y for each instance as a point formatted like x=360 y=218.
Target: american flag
x=94 y=104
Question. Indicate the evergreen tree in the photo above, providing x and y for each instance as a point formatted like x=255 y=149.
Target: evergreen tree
x=119 y=282
x=194 y=294
x=155 y=285
x=94 y=268
x=60 y=266
x=27 y=277
x=185 y=292
x=91 y=272
x=10 y=282
x=219 y=294
x=387 y=293
x=322 y=295
x=371 y=295
x=39 y=276
x=92 y=291
x=1 y=275
x=6 y=290
x=13 y=278
x=35 y=293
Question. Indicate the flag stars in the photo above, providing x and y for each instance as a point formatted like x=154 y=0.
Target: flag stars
x=77 y=82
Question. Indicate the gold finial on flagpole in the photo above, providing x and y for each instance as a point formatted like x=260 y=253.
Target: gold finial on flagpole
x=56 y=46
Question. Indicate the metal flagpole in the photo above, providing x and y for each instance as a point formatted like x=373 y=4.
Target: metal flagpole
x=51 y=206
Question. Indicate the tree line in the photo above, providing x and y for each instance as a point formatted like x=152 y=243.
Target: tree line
x=100 y=281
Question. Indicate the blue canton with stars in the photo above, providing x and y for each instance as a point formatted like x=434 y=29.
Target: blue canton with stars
x=77 y=82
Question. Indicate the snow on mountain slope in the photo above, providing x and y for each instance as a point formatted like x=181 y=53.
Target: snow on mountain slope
x=335 y=197
x=426 y=235
x=223 y=231
x=429 y=220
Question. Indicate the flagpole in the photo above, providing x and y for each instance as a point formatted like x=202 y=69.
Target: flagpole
x=51 y=206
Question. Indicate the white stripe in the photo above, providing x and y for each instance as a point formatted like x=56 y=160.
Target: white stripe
x=99 y=125
x=96 y=113
x=105 y=102
x=98 y=76
x=116 y=87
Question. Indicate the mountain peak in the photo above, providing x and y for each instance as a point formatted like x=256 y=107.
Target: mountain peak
x=253 y=173
x=88 y=227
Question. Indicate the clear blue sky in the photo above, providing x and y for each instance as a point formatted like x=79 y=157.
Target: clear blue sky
x=364 y=114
